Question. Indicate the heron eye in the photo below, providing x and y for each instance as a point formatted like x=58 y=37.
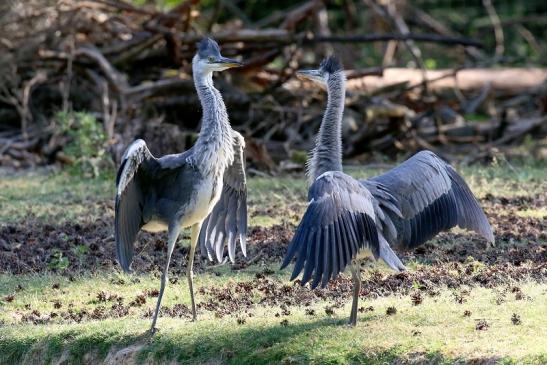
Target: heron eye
x=211 y=58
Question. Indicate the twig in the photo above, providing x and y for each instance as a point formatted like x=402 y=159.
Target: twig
x=433 y=24
x=371 y=71
x=296 y=15
x=469 y=106
x=389 y=53
x=214 y=16
x=162 y=86
x=451 y=73
x=524 y=126
x=109 y=111
x=65 y=89
x=282 y=36
x=228 y=4
x=390 y=12
x=134 y=48
x=496 y=24
x=108 y=70
x=321 y=19
x=529 y=38
x=533 y=19
x=287 y=72
x=365 y=38
x=122 y=5
x=26 y=116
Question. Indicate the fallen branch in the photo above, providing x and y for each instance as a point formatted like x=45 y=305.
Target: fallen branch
x=503 y=79
x=428 y=38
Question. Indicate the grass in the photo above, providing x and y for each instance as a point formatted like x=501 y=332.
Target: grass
x=61 y=196
x=435 y=331
x=53 y=195
x=443 y=333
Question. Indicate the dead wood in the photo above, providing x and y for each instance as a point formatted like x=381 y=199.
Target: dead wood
x=129 y=66
x=512 y=80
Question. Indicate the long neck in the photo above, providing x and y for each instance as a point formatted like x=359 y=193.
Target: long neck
x=213 y=148
x=327 y=154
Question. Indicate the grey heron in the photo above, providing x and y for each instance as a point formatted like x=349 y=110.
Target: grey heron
x=347 y=219
x=203 y=188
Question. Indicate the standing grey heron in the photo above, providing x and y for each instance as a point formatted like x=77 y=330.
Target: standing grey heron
x=348 y=219
x=203 y=188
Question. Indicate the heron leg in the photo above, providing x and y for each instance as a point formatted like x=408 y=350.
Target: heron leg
x=189 y=269
x=174 y=231
x=356 y=275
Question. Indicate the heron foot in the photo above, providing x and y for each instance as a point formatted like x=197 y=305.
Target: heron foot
x=153 y=331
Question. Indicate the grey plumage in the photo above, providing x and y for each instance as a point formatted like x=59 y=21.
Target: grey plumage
x=331 y=65
x=327 y=154
x=205 y=183
x=146 y=191
x=207 y=47
x=228 y=220
x=337 y=224
x=347 y=218
x=432 y=197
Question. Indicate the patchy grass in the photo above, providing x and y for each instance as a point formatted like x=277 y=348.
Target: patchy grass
x=61 y=196
x=53 y=195
x=436 y=328
x=492 y=321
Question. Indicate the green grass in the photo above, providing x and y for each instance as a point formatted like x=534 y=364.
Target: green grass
x=445 y=334
x=60 y=196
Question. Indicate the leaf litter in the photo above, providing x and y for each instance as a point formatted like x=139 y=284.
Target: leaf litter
x=456 y=260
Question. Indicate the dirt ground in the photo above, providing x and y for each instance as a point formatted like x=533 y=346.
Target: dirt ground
x=455 y=259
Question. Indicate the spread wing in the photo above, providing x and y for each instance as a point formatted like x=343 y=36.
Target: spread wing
x=430 y=196
x=338 y=222
x=129 y=199
x=228 y=220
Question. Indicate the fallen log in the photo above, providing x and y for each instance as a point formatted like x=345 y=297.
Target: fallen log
x=502 y=79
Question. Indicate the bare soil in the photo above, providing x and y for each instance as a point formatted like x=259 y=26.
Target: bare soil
x=33 y=245
x=455 y=260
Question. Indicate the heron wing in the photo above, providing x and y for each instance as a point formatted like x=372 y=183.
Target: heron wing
x=129 y=199
x=338 y=222
x=424 y=196
x=227 y=223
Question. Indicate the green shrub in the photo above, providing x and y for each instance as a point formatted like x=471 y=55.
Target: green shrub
x=86 y=143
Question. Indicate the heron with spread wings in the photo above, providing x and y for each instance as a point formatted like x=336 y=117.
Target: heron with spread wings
x=203 y=188
x=348 y=219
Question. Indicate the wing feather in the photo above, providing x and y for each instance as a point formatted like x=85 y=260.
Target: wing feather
x=336 y=249
x=136 y=160
x=301 y=260
x=338 y=222
x=227 y=223
x=431 y=196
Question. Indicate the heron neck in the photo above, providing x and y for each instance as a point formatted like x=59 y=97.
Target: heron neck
x=214 y=147
x=327 y=154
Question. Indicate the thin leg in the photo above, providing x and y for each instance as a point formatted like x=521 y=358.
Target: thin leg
x=356 y=275
x=174 y=231
x=189 y=269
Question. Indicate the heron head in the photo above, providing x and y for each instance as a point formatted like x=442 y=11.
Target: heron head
x=328 y=67
x=209 y=58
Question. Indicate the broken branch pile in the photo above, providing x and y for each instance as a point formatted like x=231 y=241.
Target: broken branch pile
x=129 y=67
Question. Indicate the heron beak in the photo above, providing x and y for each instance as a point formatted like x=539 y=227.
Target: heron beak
x=313 y=75
x=229 y=62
